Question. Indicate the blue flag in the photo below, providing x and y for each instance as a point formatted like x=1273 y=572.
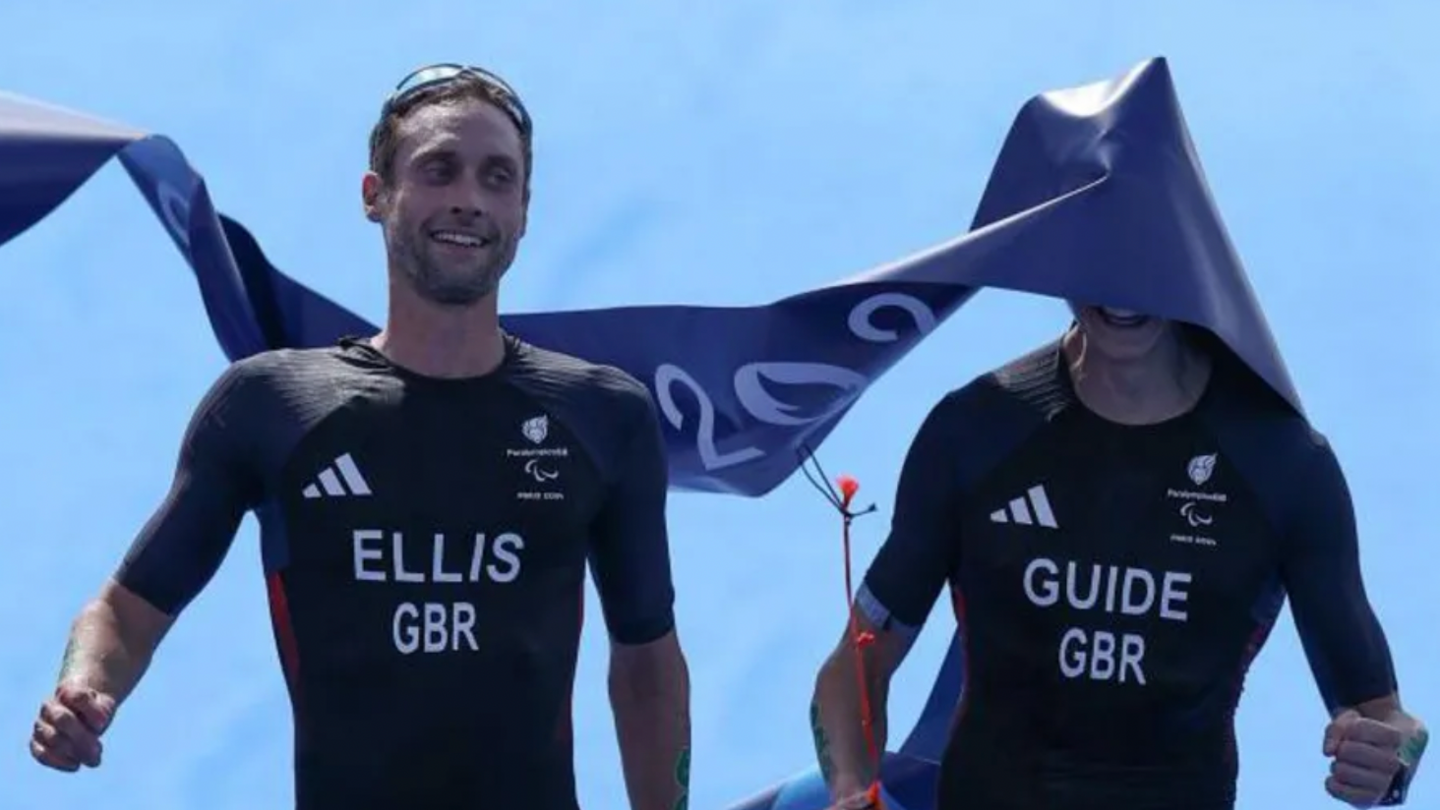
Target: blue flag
x=1097 y=197
x=1073 y=210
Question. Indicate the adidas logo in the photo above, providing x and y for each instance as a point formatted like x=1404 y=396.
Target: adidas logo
x=1028 y=510
x=332 y=485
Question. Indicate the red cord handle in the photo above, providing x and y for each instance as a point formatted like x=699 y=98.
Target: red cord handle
x=848 y=487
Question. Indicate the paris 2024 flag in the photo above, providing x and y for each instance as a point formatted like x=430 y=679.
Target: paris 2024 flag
x=1097 y=196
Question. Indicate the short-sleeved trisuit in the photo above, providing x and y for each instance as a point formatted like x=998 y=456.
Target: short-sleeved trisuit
x=425 y=543
x=1112 y=584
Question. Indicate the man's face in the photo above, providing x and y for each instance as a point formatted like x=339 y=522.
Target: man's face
x=455 y=209
x=1119 y=334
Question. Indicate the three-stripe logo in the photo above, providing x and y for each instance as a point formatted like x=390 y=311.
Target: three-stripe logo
x=1030 y=509
x=335 y=486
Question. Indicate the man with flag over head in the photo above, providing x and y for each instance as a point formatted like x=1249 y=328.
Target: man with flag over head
x=1119 y=517
x=430 y=499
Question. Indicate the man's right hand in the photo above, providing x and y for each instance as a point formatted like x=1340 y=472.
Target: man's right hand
x=67 y=732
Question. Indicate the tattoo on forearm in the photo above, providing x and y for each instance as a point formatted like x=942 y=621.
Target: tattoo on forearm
x=1414 y=747
x=67 y=660
x=822 y=743
x=682 y=778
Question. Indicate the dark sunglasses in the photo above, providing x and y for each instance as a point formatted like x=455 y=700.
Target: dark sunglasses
x=436 y=75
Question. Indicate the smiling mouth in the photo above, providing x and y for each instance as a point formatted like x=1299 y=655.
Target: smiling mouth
x=459 y=239
x=1122 y=318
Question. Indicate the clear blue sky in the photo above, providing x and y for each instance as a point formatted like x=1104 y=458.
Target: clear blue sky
x=691 y=155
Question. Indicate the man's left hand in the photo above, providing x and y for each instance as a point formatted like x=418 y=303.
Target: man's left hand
x=1365 y=756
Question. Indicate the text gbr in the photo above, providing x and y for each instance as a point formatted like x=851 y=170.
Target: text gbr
x=1127 y=591
x=433 y=627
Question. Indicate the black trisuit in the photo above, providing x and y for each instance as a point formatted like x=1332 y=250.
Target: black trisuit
x=1112 y=584
x=425 y=543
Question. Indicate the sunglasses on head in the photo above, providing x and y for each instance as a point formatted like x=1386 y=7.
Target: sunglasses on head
x=431 y=76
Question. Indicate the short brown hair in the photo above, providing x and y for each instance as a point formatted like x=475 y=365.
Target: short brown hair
x=385 y=136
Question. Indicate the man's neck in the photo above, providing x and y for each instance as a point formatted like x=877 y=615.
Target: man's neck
x=440 y=341
x=1164 y=384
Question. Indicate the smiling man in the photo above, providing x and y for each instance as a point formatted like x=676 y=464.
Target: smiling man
x=1119 y=517
x=429 y=498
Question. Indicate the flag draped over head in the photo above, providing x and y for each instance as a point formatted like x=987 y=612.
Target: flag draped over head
x=1097 y=197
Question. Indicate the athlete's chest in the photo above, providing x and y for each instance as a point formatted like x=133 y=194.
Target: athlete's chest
x=1117 y=536
x=439 y=489
x=1170 y=498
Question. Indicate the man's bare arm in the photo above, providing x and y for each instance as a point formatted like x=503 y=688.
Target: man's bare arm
x=182 y=545
x=109 y=648
x=112 y=641
x=893 y=600
x=836 y=718
x=114 y=637
x=650 y=696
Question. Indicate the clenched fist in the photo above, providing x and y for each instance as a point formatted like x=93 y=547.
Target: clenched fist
x=1365 y=757
x=67 y=733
